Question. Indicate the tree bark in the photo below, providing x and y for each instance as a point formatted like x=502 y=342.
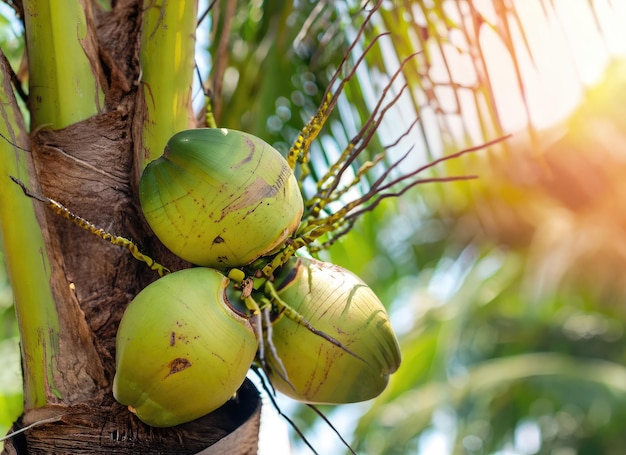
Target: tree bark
x=90 y=168
x=110 y=429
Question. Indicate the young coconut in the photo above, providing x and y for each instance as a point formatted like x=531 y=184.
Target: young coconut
x=310 y=368
x=182 y=350
x=220 y=198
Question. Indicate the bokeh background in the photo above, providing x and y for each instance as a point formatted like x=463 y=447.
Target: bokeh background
x=507 y=291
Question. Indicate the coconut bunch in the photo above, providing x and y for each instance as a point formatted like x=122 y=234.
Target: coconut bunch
x=230 y=203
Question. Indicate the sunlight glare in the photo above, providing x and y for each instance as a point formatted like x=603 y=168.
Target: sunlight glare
x=566 y=53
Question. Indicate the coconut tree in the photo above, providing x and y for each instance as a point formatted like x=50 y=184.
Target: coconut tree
x=109 y=83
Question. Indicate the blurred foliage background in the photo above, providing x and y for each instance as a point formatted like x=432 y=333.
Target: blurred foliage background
x=506 y=291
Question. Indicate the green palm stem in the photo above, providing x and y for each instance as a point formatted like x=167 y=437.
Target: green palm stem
x=167 y=68
x=64 y=88
x=26 y=258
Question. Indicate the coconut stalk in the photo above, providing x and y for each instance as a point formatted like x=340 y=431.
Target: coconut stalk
x=63 y=90
x=64 y=86
x=167 y=64
x=26 y=255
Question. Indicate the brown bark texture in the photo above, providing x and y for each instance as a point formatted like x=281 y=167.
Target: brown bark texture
x=90 y=168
